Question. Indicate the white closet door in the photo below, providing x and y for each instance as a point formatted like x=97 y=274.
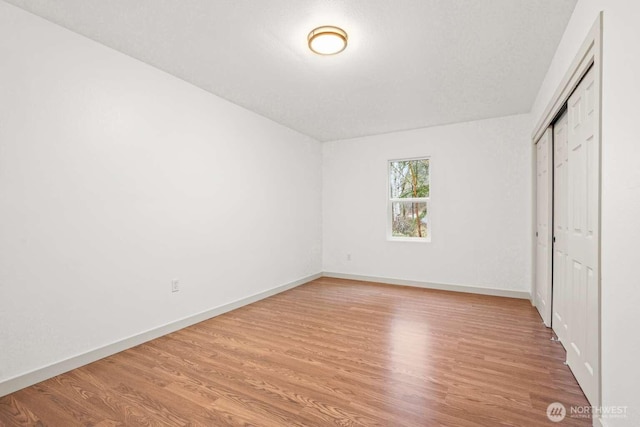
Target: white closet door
x=561 y=290
x=583 y=235
x=543 y=226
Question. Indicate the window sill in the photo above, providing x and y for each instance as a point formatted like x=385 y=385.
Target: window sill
x=410 y=239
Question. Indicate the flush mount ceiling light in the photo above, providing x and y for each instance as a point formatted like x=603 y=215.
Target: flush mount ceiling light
x=327 y=40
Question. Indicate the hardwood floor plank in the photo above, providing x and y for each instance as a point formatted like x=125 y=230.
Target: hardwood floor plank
x=330 y=352
x=13 y=411
x=108 y=400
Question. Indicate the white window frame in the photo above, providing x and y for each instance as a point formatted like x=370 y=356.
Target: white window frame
x=391 y=200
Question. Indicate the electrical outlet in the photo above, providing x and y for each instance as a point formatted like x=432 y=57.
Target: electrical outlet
x=175 y=285
x=348 y=257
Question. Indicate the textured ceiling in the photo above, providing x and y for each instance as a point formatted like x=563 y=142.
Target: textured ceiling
x=409 y=63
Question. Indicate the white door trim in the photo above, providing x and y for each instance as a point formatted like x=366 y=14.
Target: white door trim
x=589 y=54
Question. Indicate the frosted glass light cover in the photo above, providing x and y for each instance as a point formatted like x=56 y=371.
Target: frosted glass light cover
x=327 y=40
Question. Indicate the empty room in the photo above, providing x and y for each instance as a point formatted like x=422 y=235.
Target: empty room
x=319 y=213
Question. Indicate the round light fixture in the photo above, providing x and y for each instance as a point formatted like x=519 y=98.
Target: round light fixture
x=327 y=40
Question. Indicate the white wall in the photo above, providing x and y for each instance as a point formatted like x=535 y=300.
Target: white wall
x=116 y=178
x=620 y=190
x=480 y=205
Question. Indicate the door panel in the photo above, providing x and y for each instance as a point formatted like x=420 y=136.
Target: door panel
x=583 y=167
x=562 y=286
x=543 y=226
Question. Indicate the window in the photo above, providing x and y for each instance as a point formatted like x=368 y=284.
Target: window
x=409 y=199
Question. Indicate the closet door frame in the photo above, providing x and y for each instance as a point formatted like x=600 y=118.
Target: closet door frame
x=589 y=55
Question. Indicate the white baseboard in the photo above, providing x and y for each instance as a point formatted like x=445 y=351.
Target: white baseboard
x=441 y=286
x=33 y=377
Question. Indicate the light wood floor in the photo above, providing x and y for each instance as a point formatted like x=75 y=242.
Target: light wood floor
x=329 y=353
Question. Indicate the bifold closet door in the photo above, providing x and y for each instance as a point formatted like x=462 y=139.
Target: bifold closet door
x=543 y=225
x=561 y=266
x=583 y=236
